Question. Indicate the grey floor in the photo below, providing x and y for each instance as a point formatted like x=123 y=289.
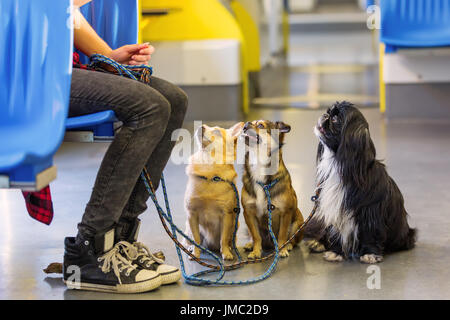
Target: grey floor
x=417 y=155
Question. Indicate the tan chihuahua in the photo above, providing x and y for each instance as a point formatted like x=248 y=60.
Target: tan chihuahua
x=210 y=200
x=264 y=165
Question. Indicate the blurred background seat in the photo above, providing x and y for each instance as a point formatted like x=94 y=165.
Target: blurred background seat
x=36 y=65
x=415 y=24
x=415 y=73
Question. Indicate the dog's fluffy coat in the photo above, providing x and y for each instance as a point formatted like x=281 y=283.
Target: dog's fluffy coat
x=361 y=210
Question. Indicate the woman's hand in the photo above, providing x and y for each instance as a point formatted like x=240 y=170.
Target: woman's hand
x=89 y=42
x=133 y=54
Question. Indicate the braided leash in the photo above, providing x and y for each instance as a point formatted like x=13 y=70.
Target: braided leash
x=142 y=73
x=195 y=278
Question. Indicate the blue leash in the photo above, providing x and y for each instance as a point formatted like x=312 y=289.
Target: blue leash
x=195 y=279
x=144 y=71
x=129 y=71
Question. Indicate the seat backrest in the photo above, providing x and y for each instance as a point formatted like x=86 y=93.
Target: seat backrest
x=415 y=23
x=36 y=44
x=115 y=21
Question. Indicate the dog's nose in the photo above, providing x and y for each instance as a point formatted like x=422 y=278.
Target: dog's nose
x=324 y=118
x=246 y=126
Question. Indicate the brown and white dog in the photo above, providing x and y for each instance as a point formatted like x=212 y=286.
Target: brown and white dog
x=210 y=200
x=264 y=164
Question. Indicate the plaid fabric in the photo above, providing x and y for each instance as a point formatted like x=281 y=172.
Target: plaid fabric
x=39 y=205
x=76 y=62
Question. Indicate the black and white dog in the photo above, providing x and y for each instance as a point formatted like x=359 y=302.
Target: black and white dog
x=361 y=211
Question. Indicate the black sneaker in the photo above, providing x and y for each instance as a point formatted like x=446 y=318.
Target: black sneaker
x=99 y=265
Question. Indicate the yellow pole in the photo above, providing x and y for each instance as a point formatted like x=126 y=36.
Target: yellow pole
x=250 y=31
x=381 y=80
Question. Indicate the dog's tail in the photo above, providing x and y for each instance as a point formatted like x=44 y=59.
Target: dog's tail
x=411 y=239
x=315 y=229
x=407 y=242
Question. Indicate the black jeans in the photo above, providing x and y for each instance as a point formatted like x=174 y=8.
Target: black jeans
x=150 y=114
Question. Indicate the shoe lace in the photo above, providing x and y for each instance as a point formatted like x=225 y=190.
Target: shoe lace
x=115 y=260
x=145 y=256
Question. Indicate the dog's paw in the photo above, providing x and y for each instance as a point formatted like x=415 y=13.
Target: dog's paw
x=332 y=256
x=315 y=246
x=227 y=255
x=190 y=248
x=196 y=253
x=371 y=258
x=255 y=254
x=289 y=247
x=284 y=253
x=248 y=246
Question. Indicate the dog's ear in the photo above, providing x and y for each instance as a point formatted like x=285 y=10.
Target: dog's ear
x=200 y=139
x=236 y=130
x=356 y=151
x=320 y=150
x=283 y=127
x=356 y=140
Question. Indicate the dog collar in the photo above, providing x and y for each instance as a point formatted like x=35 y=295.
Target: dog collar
x=269 y=185
x=213 y=179
x=266 y=188
x=237 y=209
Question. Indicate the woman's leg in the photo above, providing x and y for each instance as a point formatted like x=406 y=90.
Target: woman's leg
x=158 y=159
x=145 y=116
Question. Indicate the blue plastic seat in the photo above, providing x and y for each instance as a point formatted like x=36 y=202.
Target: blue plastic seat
x=35 y=73
x=117 y=22
x=370 y=3
x=100 y=123
x=415 y=23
